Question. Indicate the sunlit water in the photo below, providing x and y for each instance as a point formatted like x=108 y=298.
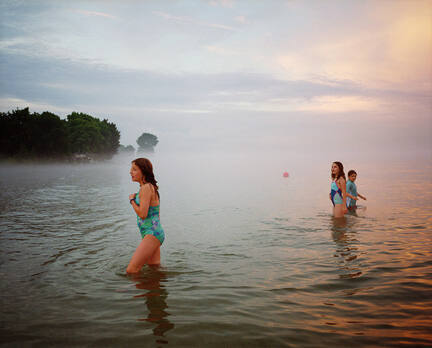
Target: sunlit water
x=250 y=258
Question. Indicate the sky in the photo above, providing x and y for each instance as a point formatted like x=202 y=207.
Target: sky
x=344 y=77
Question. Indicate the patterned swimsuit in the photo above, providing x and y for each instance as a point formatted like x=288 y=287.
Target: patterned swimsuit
x=336 y=194
x=151 y=224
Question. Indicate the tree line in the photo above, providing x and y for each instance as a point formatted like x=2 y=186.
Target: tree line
x=25 y=134
x=146 y=144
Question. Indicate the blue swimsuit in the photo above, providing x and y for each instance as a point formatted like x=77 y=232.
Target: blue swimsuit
x=336 y=194
x=151 y=224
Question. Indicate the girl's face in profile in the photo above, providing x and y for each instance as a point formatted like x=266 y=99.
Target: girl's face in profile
x=353 y=177
x=135 y=173
x=334 y=169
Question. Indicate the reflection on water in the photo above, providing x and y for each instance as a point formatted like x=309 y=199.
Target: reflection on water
x=151 y=280
x=345 y=237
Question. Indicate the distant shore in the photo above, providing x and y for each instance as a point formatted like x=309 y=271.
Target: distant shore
x=73 y=158
x=80 y=137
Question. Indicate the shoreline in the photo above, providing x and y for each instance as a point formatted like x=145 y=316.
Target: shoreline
x=75 y=158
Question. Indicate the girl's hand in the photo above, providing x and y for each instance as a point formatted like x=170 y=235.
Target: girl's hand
x=132 y=196
x=345 y=209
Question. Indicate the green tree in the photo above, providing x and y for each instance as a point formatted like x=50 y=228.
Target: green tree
x=111 y=137
x=14 y=132
x=83 y=133
x=125 y=149
x=88 y=134
x=27 y=135
x=147 y=142
x=49 y=135
x=23 y=134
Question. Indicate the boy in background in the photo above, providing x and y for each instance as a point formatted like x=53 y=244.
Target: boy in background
x=351 y=191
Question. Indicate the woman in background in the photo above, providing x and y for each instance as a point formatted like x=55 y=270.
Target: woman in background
x=338 y=190
x=146 y=203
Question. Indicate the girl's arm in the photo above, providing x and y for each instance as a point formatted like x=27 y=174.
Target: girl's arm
x=145 y=194
x=342 y=184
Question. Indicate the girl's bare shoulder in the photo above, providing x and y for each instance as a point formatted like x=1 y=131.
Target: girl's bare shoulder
x=341 y=180
x=146 y=188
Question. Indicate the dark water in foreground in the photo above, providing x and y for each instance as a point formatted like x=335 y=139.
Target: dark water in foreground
x=250 y=258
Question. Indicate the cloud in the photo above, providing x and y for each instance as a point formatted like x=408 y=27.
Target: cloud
x=389 y=48
x=223 y=3
x=188 y=20
x=96 y=14
x=316 y=105
x=341 y=104
x=69 y=84
x=7 y=104
x=240 y=19
x=220 y=50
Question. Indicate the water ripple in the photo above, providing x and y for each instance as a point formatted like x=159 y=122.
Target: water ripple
x=235 y=272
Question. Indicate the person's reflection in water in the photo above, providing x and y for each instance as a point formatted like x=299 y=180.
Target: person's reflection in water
x=343 y=234
x=155 y=298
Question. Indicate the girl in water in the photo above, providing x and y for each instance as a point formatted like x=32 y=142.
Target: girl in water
x=338 y=190
x=146 y=205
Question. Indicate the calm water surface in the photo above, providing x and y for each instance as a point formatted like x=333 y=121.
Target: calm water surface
x=250 y=258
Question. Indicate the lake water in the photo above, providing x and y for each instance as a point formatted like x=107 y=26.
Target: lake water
x=251 y=259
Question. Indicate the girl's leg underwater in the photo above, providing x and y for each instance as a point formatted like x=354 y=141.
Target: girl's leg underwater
x=144 y=253
x=338 y=211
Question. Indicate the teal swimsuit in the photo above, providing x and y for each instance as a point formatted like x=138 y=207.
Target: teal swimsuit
x=336 y=194
x=151 y=224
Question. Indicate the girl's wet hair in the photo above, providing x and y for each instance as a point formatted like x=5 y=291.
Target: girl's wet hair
x=341 y=171
x=146 y=168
